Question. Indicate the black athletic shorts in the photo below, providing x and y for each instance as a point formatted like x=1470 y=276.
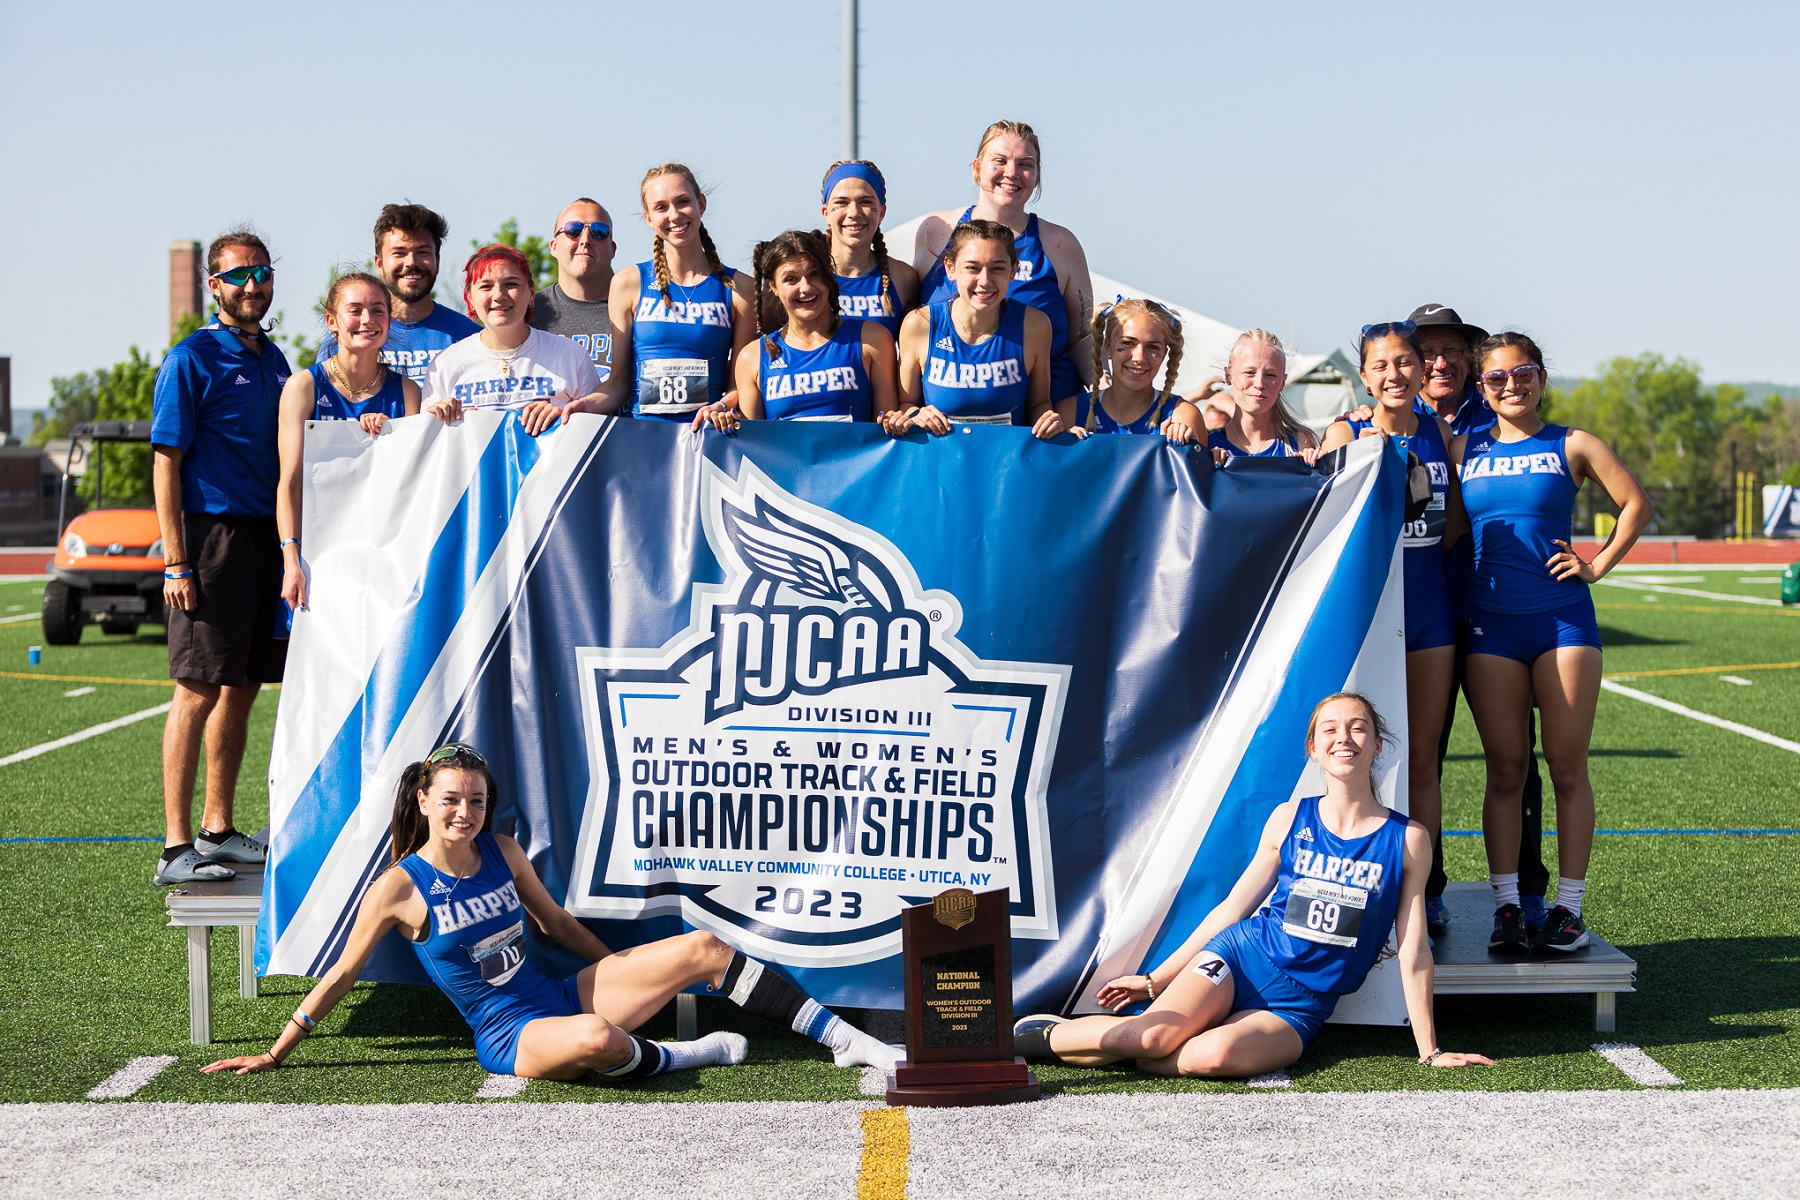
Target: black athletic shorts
x=229 y=638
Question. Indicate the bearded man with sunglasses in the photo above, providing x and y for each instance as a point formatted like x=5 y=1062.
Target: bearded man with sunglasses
x=575 y=305
x=213 y=427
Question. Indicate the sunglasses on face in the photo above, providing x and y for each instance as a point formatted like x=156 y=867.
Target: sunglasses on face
x=239 y=276
x=1401 y=329
x=452 y=749
x=1496 y=379
x=572 y=230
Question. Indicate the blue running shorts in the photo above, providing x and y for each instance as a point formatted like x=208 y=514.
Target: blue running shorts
x=1261 y=985
x=1526 y=637
x=497 y=1037
x=1429 y=621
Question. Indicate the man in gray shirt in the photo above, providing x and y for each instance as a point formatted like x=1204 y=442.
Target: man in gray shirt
x=575 y=305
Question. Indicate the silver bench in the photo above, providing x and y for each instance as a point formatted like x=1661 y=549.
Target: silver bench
x=198 y=907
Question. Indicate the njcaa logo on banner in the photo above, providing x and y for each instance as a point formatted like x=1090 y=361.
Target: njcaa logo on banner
x=816 y=751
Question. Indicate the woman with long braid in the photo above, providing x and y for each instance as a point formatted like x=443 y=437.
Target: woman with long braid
x=1133 y=340
x=678 y=320
x=871 y=287
x=461 y=894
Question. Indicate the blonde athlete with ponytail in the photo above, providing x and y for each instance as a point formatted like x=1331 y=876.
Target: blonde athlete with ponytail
x=1261 y=427
x=1133 y=340
x=871 y=286
x=1051 y=272
x=678 y=320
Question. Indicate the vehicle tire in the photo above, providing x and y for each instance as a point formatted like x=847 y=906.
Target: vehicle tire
x=62 y=614
x=119 y=628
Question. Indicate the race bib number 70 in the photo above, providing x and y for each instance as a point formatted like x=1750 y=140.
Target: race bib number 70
x=500 y=955
x=1327 y=913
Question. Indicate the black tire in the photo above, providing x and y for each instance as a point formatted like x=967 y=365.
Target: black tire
x=119 y=628
x=62 y=614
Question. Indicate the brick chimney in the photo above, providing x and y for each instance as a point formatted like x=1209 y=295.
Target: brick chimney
x=5 y=398
x=185 y=294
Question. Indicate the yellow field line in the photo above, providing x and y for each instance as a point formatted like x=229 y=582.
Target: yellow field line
x=1705 y=670
x=102 y=679
x=1707 y=608
x=886 y=1145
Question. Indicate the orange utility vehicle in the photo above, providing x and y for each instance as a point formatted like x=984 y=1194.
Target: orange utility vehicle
x=109 y=561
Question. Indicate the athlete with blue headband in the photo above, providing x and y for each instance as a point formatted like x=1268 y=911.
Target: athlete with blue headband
x=871 y=286
x=1052 y=271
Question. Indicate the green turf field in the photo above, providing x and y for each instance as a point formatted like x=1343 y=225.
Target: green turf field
x=95 y=978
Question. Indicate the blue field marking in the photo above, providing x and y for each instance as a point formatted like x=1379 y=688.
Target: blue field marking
x=1645 y=832
x=27 y=841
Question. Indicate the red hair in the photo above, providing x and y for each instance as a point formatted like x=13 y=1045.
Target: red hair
x=485 y=262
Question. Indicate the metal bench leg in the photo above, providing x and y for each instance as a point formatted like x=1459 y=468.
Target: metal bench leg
x=200 y=984
x=687 y=1016
x=1606 y=1012
x=247 y=962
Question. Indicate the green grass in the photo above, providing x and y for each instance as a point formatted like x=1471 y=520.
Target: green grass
x=1714 y=922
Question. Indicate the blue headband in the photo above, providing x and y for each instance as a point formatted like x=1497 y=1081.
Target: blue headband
x=853 y=170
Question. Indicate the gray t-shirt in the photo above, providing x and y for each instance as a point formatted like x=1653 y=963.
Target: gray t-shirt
x=584 y=322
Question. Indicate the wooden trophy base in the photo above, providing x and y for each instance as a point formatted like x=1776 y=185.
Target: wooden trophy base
x=962 y=1084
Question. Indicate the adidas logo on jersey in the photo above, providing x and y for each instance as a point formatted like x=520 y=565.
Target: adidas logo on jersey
x=240 y=379
x=440 y=888
x=944 y=343
x=1305 y=834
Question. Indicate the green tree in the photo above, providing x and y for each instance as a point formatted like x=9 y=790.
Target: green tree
x=535 y=249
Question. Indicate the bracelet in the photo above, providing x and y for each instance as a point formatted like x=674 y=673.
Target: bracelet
x=286 y=542
x=167 y=574
x=1150 y=985
x=178 y=563
x=273 y=1061
x=305 y=1022
x=1431 y=1058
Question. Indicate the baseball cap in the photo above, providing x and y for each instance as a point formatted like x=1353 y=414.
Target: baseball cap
x=1437 y=316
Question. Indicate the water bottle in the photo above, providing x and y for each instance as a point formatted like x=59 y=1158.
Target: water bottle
x=284 y=620
x=1790 y=584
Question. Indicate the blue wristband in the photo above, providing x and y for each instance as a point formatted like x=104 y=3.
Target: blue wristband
x=286 y=542
x=178 y=574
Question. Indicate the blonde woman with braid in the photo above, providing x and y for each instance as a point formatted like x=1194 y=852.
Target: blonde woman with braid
x=810 y=363
x=678 y=320
x=871 y=287
x=1133 y=340
x=1052 y=272
x=1261 y=427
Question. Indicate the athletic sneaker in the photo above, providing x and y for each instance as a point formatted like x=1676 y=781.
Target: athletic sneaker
x=1536 y=913
x=1437 y=916
x=1509 y=936
x=190 y=867
x=1563 y=932
x=1031 y=1037
x=233 y=848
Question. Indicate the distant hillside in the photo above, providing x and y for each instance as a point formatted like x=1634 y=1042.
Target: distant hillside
x=1759 y=389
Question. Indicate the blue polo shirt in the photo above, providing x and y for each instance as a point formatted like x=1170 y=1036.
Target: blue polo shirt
x=217 y=402
x=410 y=348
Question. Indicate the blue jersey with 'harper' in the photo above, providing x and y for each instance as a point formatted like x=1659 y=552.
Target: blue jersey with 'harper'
x=329 y=404
x=828 y=383
x=860 y=299
x=680 y=348
x=1334 y=902
x=411 y=346
x=1520 y=498
x=475 y=946
x=1423 y=538
x=984 y=384
x=218 y=402
x=1034 y=283
x=1279 y=448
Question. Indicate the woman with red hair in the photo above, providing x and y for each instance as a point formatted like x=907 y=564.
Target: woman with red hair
x=508 y=365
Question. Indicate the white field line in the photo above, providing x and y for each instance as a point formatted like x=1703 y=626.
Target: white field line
x=131 y=1078
x=24 y=578
x=1754 y=579
x=1274 y=1079
x=1609 y=581
x=873 y=1082
x=21 y=617
x=1739 y=680
x=501 y=1087
x=74 y=692
x=1638 y=1067
x=1694 y=568
x=1682 y=710
x=84 y=735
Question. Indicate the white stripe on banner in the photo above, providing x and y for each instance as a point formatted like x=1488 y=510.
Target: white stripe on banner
x=1149 y=886
x=459 y=663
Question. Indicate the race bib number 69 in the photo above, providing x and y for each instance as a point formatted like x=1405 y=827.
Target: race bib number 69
x=1327 y=913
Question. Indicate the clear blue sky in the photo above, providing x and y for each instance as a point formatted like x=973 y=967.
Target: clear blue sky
x=1611 y=177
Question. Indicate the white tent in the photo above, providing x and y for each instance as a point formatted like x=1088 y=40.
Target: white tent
x=1320 y=386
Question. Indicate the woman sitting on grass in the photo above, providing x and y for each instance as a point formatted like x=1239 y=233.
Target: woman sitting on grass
x=1249 y=991
x=456 y=891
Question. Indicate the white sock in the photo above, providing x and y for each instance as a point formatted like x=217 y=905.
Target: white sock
x=1568 y=893
x=851 y=1047
x=720 y=1049
x=1506 y=888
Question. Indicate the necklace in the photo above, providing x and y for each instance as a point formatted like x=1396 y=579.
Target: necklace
x=506 y=360
x=342 y=378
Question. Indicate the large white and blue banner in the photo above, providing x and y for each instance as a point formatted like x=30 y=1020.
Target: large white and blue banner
x=1781 y=510
x=782 y=684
